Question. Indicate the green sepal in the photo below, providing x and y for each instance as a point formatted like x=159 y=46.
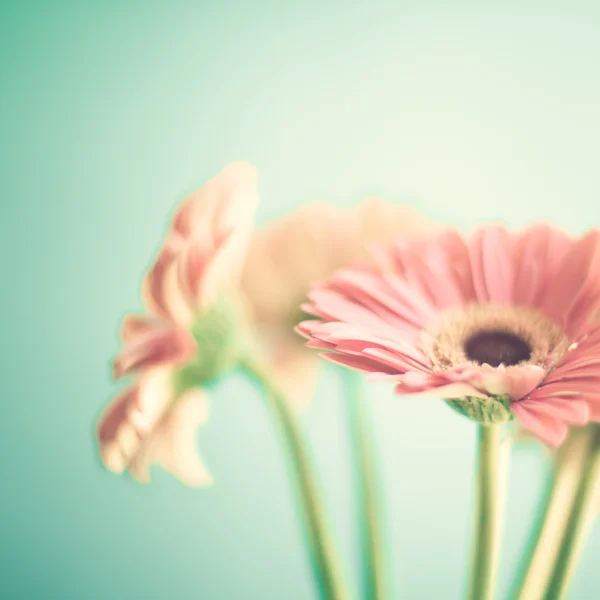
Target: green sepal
x=491 y=410
x=220 y=333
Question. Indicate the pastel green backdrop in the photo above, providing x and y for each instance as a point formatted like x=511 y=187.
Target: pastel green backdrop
x=110 y=113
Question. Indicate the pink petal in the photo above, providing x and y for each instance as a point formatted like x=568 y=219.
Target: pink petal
x=539 y=252
x=573 y=412
x=492 y=263
x=159 y=346
x=111 y=420
x=135 y=324
x=574 y=275
x=357 y=363
x=550 y=430
x=448 y=391
x=222 y=202
x=195 y=257
x=458 y=264
x=153 y=286
x=523 y=379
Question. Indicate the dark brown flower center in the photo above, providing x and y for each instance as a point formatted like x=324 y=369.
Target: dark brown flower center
x=496 y=348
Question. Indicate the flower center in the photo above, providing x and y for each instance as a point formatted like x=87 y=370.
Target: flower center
x=497 y=347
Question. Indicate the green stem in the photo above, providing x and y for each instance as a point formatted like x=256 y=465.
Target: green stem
x=491 y=483
x=547 y=537
x=324 y=557
x=581 y=518
x=371 y=515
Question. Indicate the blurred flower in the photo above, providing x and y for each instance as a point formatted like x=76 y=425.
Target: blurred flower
x=500 y=325
x=190 y=336
x=308 y=245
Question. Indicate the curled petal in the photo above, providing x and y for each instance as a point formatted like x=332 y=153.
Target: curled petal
x=148 y=423
x=153 y=289
x=155 y=347
x=135 y=324
x=222 y=202
x=172 y=444
x=519 y=380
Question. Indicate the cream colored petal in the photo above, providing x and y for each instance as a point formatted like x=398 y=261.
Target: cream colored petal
x=308 y=245
x=296 y=369
x=172 y=444
x=131 y=417
x=382 y=222
x=148 y=424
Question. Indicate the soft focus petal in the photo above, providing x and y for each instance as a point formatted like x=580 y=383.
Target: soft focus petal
x=205 y=249
x=308 y=245
x=148 y=423
x=159 y=346
x=113 y=420
x=296 y=369
x=172 y=444
x=153 y=288
x=134 y=324
x=222 y=202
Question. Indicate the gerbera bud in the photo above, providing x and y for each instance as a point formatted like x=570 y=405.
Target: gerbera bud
x=490 y=410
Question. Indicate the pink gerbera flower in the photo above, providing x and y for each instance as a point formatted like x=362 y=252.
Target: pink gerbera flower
x=189 y=336
x=500 y=325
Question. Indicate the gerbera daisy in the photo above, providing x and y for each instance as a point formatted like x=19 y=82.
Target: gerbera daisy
x=308 y=245
x=499 y=325
x=189 y=336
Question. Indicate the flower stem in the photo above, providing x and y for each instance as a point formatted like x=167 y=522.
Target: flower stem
x=371 y=515
x=324 y=557
x=491 y=483
x=581 y=518
x=548 y=535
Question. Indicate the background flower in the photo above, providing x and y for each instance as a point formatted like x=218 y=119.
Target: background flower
x=302 y=247
x=188 y=337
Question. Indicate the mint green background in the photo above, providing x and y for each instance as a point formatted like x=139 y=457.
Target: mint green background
x=109 y=113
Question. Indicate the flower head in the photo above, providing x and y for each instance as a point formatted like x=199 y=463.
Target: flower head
x=190 y=335
x=285 y=257
x=500 y=325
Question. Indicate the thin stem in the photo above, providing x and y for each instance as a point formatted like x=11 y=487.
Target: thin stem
x=491 y=484
x=371 y=514
x=324 y=557
x=547 y=537
x=581 y=518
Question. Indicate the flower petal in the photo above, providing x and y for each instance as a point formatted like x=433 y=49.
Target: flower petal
x=148 y=423
x=172 y=444
x=493 y=270
x=134 y=324
x=522 y=379
x=549 y=429
x=296 y=369
x=155 y=347
x=576 y=278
